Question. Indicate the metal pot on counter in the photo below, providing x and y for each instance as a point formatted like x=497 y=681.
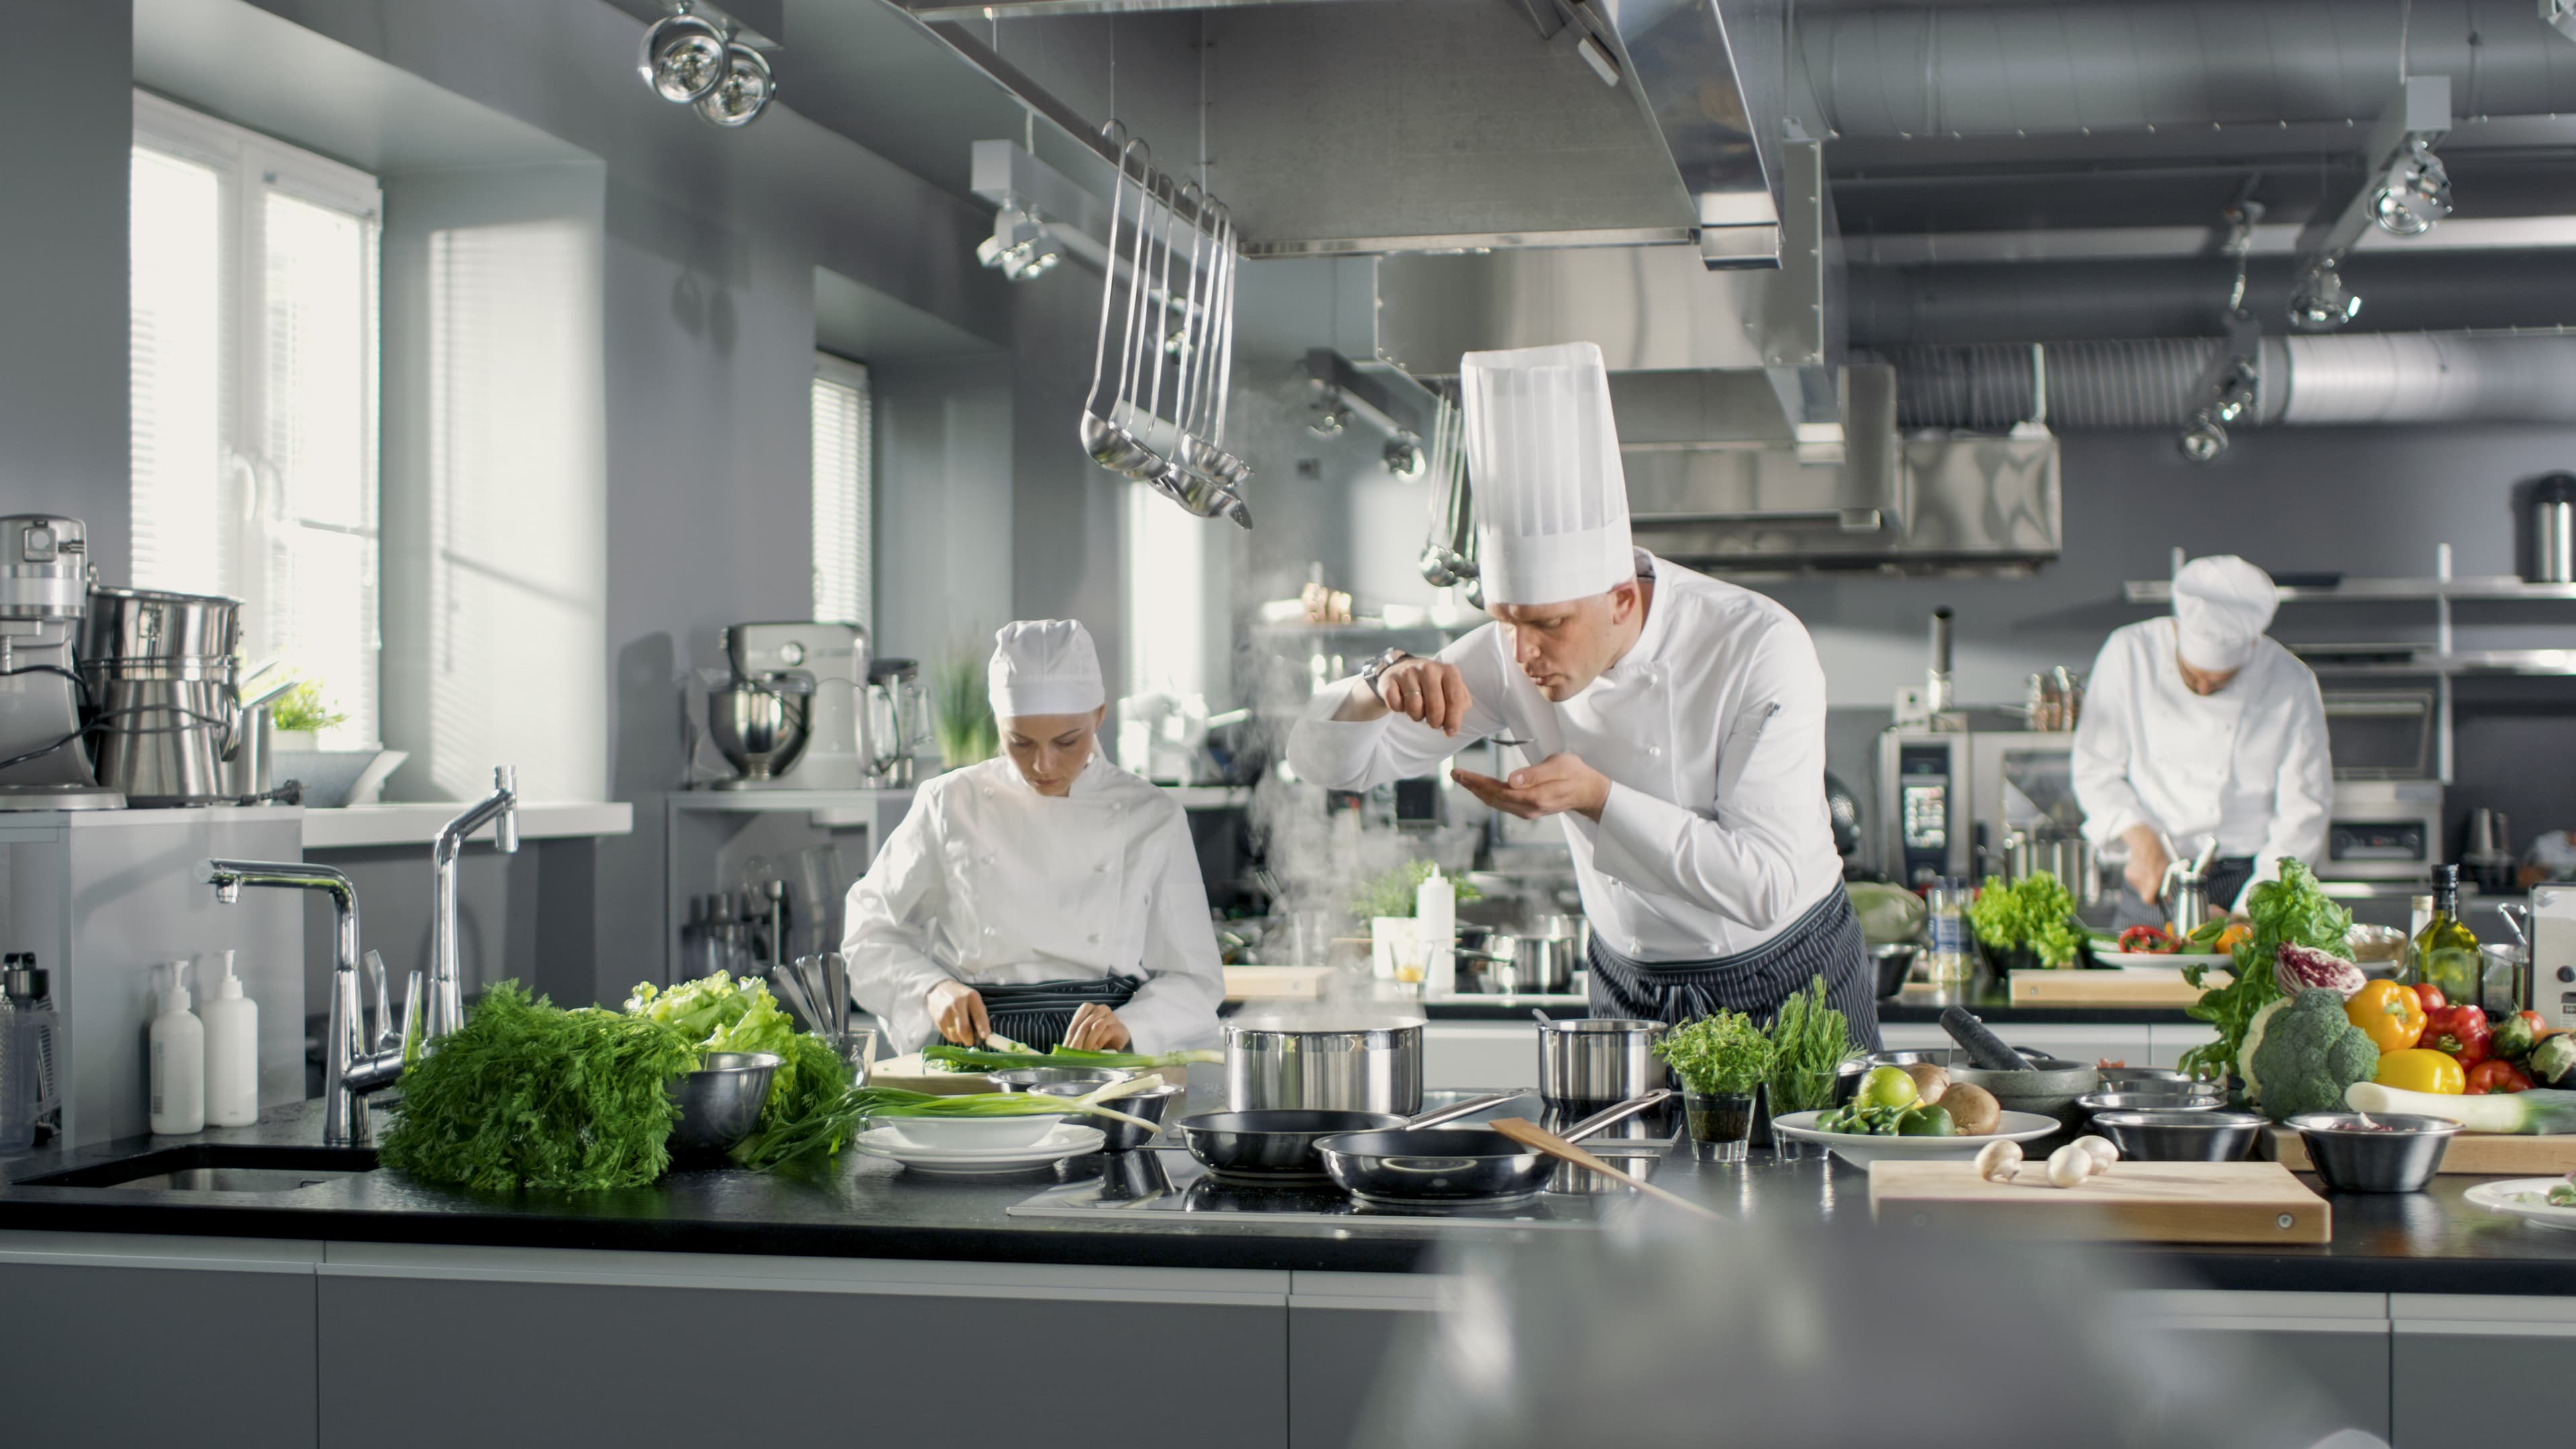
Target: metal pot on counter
x=1341 y=1063
x=1587 y=1063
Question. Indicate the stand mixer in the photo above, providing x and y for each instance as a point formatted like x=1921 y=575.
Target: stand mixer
x=44 y=595
x=793 y=716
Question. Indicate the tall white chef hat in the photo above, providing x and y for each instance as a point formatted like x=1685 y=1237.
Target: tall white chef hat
x=1543 y=457
x=2221 y=606
x=1044 y=666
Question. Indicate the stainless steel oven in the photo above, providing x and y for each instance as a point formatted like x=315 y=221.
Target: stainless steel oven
x=2383 y=830
x=1949 y=802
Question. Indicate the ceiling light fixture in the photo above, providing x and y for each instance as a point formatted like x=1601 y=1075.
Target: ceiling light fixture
x=696 y=57
x=744 y=93
x=2321 y=302
x=2414 y=194
x=1405 y=459
x=2405 y=193
x=1022 y=247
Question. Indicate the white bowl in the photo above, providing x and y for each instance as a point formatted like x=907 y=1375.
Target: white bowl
x=1861 y=1149
x=971 y=1133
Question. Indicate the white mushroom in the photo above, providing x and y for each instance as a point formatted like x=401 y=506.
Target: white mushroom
x=2069 y=1165
x=1999 y=1161
x=2104 y=1150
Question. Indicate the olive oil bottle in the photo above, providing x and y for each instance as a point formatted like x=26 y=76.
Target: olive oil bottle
x=2444 y=955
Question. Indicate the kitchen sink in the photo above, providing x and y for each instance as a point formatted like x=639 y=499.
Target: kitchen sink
x=207 y=1167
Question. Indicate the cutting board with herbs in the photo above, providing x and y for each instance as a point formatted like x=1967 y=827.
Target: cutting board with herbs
x=2476 y=1154
x=2123 y=986
x=2141 y=1202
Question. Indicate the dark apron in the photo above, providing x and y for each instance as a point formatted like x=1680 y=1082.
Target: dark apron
x=1826 y=942
x=1038 y=1014
x=2227 y=875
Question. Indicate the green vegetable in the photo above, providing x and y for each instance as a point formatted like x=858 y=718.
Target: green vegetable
x=1885 y=1087
x=1809 y=1042
x=2289 y=909
x=2301 y=1052
x=962 y=708
x=1391 y=894
x=719 y=1014
x=2538 y=1112
x=525 y=1094
x=1926 y=1122
x=2035 y=912
x=977 y=1059
x=2553 y=1060
x=303 y=708
x=2512 y=1038
x=822 y=1132
x=1724 y=1055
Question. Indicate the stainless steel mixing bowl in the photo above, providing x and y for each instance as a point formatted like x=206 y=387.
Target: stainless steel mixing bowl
x=2195 y=1134
x=759 y=730
x=2383 y=1152
x=720 y=1102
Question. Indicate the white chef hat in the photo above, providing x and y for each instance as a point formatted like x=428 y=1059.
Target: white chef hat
x=2221 y=606
x=1044 y=666
x=1543 y=458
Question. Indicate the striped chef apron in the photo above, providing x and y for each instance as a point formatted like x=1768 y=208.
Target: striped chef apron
x=1039 y=1013
x=1825 y=941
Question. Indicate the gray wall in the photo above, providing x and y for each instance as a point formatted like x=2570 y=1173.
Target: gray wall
x=64 y=441
x=945 y=559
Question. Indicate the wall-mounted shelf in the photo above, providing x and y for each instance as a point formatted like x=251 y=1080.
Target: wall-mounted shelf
x=2528 y=663
x=2480 y=587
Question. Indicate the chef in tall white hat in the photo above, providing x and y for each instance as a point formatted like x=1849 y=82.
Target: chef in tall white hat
x=1046 y=896
x=2201 y=726
x=1675 y=724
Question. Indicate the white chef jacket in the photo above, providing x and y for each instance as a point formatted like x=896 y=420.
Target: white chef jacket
x=2248 y=764
x=1715 y=837
x=988 y=882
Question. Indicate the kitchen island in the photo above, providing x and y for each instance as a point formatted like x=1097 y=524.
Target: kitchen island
x=308 y=1314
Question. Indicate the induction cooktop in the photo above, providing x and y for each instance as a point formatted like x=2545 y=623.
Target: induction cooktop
x=1164 y=1184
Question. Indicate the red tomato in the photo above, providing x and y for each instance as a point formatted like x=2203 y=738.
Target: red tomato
x=2432 y=997
x=2496 y=1076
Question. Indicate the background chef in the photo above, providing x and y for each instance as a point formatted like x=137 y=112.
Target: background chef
x=1676 y=723
x=2202 y=725
x=1047 y=896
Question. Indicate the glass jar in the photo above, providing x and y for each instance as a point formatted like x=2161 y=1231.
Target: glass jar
x=1948 y=959
x=1720 y=1124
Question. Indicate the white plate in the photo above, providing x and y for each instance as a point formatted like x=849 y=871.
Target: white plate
x=1066 y=1141
x=2508 y=1197
x=2163 y=962
x=970 y=1134
x=1862 y=1149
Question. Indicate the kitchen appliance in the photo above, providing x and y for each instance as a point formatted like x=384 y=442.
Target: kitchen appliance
x=898 y=722
x=2553 y=953
x=1350 y=1064
x=2381 y=734
x=2383 y=829
x=2489 y=857
x=165 y=721
x=792 y=715
x=30 y=1078
x=2067 y=856
x=2553 y=529
x=44 y=595
x=1952 y=802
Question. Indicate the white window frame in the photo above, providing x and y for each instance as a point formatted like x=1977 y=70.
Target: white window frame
x=842 y=372
x=250 y=165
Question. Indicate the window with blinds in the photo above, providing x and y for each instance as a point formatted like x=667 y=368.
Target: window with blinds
x=254 y=360
x=842 y=502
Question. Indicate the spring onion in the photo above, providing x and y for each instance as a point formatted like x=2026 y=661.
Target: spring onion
x=976 y=1059
x=824 y=1130
x=2538 y=1111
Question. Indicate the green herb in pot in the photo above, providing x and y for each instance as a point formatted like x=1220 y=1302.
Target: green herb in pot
x=1724 y=1055
x=1810 y=1041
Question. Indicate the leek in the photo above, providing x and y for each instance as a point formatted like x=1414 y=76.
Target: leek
x=824 y=1130
x=977 y=1059
x=2535 y=1112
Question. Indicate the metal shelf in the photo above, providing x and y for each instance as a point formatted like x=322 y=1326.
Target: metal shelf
x=2481 y=588
x=2533 y=663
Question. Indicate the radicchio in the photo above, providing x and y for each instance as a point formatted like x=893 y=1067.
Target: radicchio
x=2305 y=968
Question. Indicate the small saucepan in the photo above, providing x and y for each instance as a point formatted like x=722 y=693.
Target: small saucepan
x=1458 y=1167
x=1277 y=1145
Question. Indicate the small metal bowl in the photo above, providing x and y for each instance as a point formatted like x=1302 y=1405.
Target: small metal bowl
x=1117 y=1136
x=2385 y=1152
x=2142 y=1099
x=720 y=1102
x=1893 y=962
x=1029 y=1079
x=2192 y=1134
x=2152 y=1079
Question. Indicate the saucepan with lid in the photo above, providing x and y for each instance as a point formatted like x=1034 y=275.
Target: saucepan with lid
x=1454 y=1167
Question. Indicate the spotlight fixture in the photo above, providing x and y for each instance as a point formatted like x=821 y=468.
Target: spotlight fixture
x=2414 y=194
x=1331 y=416
x=2203 y=439
x=1405 y=459
x=1022 y=247
x=2232 y=387
x=698 y=60
x=2321 y=302
x=2405 y=193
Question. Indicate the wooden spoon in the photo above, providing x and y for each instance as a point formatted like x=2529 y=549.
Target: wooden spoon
x=1530 y=1134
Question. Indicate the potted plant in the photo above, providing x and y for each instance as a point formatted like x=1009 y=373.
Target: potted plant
x=1722 y=1060
x=298 y=717
x=967 y=733
x=1810 y=1043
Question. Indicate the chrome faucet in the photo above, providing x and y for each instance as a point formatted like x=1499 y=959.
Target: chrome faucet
x=501 y=810
x=355 y=1062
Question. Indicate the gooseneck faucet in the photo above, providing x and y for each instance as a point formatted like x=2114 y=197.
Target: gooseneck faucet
x=500 y=809
x=356 y=1062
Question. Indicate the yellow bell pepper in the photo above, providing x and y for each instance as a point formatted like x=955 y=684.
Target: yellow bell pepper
x=2392 y=1016
x=2420 y=1069
x=2236 y=934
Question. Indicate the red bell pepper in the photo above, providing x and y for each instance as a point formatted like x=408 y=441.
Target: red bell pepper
x=2496 y=1075
x=2461 y=1031
x=2431 y=996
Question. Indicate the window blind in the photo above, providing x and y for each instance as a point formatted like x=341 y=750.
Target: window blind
x=842 y=499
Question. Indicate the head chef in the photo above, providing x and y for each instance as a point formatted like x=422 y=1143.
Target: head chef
x=1673 y=723
x=2201 y=728
x=1044 y=897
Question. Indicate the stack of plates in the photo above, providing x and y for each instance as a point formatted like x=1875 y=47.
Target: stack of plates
x=1067 y=1140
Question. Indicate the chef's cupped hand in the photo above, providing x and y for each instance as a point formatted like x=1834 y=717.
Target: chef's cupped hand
x=1559 y=783
x=959 y=1011
x=1096 y=1028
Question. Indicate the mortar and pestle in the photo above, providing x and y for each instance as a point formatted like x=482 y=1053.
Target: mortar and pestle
x=2048 y=1087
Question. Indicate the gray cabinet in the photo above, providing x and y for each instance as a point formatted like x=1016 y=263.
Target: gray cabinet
x=1345 y=1332
x=122 y=1349
x=2509 y=1356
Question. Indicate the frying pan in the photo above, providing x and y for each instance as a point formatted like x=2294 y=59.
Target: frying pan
x=1456 y=1167
x=1277 y=1145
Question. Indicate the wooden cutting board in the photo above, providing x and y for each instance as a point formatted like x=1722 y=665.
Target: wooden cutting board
x=2481 y=1154
x=1274 y=983
x=2144 y=1202
x=2126 y=986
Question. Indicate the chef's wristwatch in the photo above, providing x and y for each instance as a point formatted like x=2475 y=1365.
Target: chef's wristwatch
x=1377 y=666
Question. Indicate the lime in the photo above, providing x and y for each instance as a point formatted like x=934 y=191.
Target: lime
x=1926 y=1122
x=1885 y=1087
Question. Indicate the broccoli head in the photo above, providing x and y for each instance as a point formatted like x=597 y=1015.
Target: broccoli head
x=2301 y=1052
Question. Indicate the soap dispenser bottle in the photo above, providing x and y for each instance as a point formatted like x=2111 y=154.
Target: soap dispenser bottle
x=178 y=1057
x=232 y=1052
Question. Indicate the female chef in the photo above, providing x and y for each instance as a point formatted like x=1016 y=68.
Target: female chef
x=1047 y=896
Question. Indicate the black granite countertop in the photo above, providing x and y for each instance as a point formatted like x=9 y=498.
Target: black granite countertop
x=2429 y=1242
